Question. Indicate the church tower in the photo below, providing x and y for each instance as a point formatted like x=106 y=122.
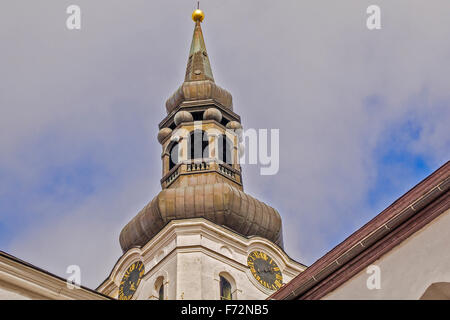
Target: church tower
x=202 y=236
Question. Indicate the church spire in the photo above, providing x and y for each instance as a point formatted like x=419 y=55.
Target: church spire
x=198 y=66
x=201 y=174
x=198 y=85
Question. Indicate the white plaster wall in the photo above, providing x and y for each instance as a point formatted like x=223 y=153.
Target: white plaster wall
x=189 y=273
x=166 y=269
x=242 y=288
x=408 y=269
x=194 y=275
x=198 y=278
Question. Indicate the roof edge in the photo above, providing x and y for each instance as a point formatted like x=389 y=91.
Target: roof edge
x=408 y=206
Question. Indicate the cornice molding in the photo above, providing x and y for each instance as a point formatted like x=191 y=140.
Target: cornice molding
x=35 y=282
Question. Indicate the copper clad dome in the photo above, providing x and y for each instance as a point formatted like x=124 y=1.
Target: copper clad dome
x=199 y=90
x=220 y=203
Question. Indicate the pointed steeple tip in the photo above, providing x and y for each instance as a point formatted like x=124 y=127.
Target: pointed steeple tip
x=199 y=82
x=198 y=14
x=198 y=67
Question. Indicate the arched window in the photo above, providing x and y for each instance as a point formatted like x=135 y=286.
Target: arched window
x=161 y=292
x=225 y=149
x=198 y=145
x=225 y=289
x=173 y=156
x=159 y=288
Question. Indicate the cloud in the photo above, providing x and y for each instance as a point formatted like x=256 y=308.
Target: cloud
x=80 y=113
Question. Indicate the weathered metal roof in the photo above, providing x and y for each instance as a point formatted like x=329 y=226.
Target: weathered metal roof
x=220 y=203
x=199 y=81
x=198 y=67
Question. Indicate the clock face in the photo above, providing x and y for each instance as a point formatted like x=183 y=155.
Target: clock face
x=265 y=270
x=131 y=280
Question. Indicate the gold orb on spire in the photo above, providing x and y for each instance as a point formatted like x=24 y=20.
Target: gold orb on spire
x=198 y=15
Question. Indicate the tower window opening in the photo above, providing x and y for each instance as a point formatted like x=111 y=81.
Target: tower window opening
x=225 y=289
x=173 y=156
x=225 y=149
x=198 y=145
x=224 y=121
x=198 y=115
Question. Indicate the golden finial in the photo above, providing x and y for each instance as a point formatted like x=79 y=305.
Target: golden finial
x=198 y=14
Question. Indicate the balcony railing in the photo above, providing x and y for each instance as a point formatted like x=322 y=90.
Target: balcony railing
x=196 y=166
x=226 y=171
x=172 y=176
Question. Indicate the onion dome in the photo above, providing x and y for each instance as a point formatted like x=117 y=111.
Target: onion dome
x=220 y=203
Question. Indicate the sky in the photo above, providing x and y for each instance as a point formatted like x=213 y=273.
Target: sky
x=363 y=114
